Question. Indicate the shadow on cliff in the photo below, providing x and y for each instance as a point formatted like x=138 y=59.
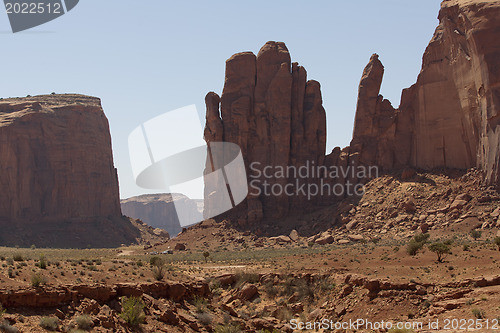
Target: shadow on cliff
x=317 y=218
x=102 y=232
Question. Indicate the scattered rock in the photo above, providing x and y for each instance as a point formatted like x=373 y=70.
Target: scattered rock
x=247 y=292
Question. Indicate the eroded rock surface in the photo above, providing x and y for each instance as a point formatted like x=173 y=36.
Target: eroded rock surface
x=448 y=118
x=58 y=183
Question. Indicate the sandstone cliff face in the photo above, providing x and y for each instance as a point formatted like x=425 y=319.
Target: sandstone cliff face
x=159 y=210
x=58 y=183
x=275 y=115
x=449 y=117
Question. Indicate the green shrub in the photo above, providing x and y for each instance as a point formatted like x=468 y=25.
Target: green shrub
x=132 y=310
x=416 y=243
x=271 y=290
x=228 y=328
x=204 y=318
x=497 y=242
x=84 y=322
x=7 y=328
x=476 y=234
x=18 y=257
x=158 y=272
x=157 y=267
x=49 y=323
x=200 y=304
x=421 y=238
x=441 y=249
x=37 y=280
x=156 y=261
x=478 y=313
x=43 y=262
x=243 y=277
x=413 y=247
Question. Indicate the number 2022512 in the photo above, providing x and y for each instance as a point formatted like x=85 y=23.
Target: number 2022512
x=33 y=8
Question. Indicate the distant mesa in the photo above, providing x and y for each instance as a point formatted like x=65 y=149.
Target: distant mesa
x=159 y=210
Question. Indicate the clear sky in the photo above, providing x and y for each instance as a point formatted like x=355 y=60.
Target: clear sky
x=144 y=58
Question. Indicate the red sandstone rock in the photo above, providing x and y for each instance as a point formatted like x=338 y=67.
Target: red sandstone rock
x=448 y=118
x=247 y=292
x=276 y=117
x=59 y=185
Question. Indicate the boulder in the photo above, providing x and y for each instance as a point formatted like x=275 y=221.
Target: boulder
x=180 y=247
x=247 y=292
x=328 y=239
x=294 y=235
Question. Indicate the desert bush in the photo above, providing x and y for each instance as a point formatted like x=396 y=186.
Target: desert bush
x=43 y=262
x=132 y=310
x=243 y=277
x=497 y=242
x=200 y=304
x=478 y=313
x=421 y=238
x=37 y=280
x=206 y=254
x=413 y=247
x=158 y=272
x=476 y=234
x=299 y=287
x=7 y=328
x=84 y=322
x=49 y=323
x=18 y=257
x=416 y=243
x=284 y=314
x=204 y=318
x=271 y=290
x=215 y=286
x=157 y=267
x=227 y=328
x=441 y=249
x=156 y=261
x=325 y=285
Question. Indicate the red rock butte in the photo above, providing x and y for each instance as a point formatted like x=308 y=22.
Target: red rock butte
x=448 y=119
x=59 y=185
